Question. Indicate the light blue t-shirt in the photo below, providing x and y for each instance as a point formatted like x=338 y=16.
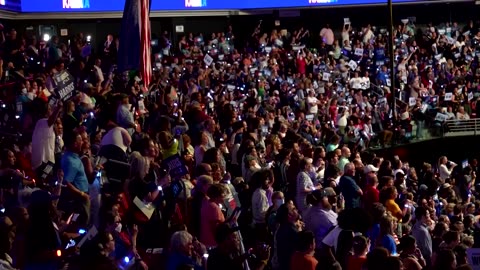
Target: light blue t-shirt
x=73 y=171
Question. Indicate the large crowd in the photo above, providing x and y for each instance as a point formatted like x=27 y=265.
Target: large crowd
x=241 y=154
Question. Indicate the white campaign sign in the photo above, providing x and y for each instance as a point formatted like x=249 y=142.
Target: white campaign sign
x=346 y=20
x=424 y=107
x=470 y=96
x=208 y=60
x=440 y=117
x=326 y=76
x=353 y=65
x=359 y=52
x=448 y=96
x=412 y=101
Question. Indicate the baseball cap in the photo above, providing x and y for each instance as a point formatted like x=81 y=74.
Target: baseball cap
x=370 y=168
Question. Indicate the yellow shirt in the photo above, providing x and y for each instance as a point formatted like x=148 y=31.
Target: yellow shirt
x=393 y=208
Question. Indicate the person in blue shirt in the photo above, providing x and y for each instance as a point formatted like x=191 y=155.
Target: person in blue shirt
x=386 y=238
x=75 y=177
x=382 y=76
x=377 y=211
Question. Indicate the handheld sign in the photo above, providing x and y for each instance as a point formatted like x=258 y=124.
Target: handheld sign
x=89 y=236
x=424 y=107
x=473 y=257
x=440 y=117
x=353 y=65
x=412 y=101
x=65 y=86
x=346 y=21
x=147 y=210
x=208 y=60
x=175 y=166
x=470 y=96
x=448 y=96
x=326 y=76
x=359 y=52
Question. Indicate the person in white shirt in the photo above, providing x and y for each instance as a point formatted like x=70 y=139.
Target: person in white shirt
x=368 y=34
x=260 y=181
x=443 y=170
x=43 y=137
x=304 y=184
x=356 y=82
x=312 y=103
x=117 y=136
x=98 y=71
x=462 y=115
x=365 y=81
x=209 y=131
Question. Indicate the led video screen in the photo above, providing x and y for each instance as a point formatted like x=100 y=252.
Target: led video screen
x=159 y=5
x=11 y=5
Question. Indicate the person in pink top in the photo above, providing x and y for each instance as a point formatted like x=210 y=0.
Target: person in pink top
x=301 y=64
x=327 y=35
x=211 y=214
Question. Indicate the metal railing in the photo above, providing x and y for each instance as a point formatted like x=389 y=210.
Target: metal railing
x=461 y=127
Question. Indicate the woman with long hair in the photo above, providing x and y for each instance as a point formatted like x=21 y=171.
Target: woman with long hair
x=386 y=237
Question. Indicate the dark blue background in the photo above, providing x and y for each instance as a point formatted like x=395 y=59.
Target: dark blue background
x=158 y=5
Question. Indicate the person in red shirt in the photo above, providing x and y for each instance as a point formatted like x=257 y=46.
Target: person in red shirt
x=361 y=245
x=372 y=194
x=303 y=257
x=301 y=64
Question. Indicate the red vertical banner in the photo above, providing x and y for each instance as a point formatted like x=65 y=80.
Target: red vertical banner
x=145 y=42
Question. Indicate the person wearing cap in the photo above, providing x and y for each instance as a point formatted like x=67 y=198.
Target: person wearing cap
x=321 y=217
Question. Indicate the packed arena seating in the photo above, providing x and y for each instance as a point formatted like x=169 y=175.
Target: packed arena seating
x=240 y=154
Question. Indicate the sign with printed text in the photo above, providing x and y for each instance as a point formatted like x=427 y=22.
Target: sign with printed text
x=65 y=86
x=412 y=101
x=470 y=96
x=440 y=117
x=353 y=65
x=473 y=257
x=346 y=21
x=448 y=96
x=359 y=52
x=424 y=107
x=175 y=166
x=298 y=48
x=326 y=76
x=208 y=60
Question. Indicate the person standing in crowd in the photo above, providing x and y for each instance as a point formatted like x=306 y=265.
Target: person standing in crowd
x=421 y=233
x=43 y=137
x=75 y=176
x=305 y=184
x=349 y=188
